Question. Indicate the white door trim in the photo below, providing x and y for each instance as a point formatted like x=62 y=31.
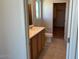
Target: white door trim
x=71 y=47
x=74 y=27
x=68 y=26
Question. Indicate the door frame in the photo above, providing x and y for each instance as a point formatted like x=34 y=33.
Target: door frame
x=64 y=3
x=66 y=18
x=72 y=36
x=72 y=30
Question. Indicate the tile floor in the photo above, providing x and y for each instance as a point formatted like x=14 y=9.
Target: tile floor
x=56 y=49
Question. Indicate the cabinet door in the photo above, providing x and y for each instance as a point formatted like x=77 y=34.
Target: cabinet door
x=39 y=43
x=30 y=50
x=34 y=47
x=43 y=38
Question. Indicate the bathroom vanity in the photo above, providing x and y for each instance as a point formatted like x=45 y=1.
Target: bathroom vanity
x=37 y=41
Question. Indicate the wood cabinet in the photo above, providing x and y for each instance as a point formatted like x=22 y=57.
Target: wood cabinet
x=37 y=43
x=43 y=38
x=34 y=47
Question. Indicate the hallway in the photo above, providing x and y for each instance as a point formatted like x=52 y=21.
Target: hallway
x=56 y=49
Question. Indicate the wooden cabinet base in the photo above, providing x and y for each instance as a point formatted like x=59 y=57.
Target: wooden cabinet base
x=36 y=44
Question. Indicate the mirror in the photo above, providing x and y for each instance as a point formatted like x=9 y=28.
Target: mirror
x=30 y=12
x=34 y=12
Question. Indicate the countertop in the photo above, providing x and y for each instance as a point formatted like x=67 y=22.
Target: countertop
x=34 y=31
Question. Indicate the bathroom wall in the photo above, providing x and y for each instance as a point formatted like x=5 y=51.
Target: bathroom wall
x=48 y=14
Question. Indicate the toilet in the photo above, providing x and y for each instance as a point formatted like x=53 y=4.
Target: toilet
x=49 y=37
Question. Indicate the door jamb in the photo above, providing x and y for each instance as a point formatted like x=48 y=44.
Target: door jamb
x=27 y=28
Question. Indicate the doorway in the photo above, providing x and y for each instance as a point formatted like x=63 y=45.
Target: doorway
x=59 y=19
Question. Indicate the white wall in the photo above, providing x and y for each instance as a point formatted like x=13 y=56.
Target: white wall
x=3 y=46
x=48 y=12
x=12 y=40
